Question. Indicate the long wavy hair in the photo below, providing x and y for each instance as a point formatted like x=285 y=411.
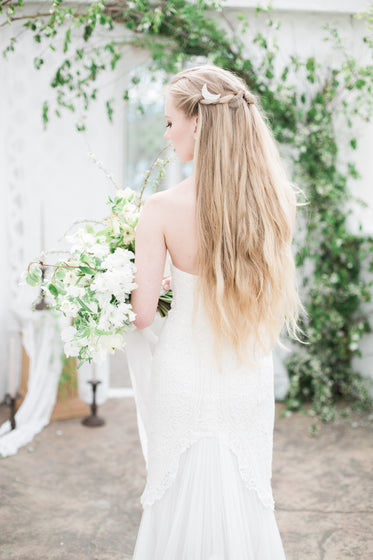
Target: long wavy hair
x=244 y=208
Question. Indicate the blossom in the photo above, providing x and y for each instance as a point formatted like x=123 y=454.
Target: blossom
x=68 y=333
x=93 y=306
x=111 y=342
x=71 y=349
x=69 y=308
x=130 y=213
x=98 y=355
x=119 y=314
x=75 y=291
x=115 y=224
x=104 y=322
x=70 y=278
x=103 y=299
x=100 y=250
x=125 y=193
x=128 y=235
x=118 y=278
x=121 y=258
x=81 y=240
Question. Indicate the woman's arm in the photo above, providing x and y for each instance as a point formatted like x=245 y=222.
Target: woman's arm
x=150 y=258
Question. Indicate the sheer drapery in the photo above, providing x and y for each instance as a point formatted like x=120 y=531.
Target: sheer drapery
x=43 y=344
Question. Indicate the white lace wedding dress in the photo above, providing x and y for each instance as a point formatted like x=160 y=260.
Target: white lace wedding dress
x=207 y=440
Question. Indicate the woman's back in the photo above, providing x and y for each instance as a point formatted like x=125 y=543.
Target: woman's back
x=180 y=226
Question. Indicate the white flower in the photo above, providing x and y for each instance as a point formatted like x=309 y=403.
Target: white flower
x=130 y=213
x=118 y=282
x=121 y=258
x=75 y=291
x=68 y=308
x=98 y=355
x=100 y=250
x=111 y=342
x=119 y=314
x=93 y=306
x=128 y=235
x=115 y=224
x=71 y=349
x=104 y=283
x=70 y=278
x=104 y=322
x=126 y=193
x=103 y=299
x=81 y=240
x=68 y=334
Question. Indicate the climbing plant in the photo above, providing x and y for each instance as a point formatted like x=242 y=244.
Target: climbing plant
x=301 y=99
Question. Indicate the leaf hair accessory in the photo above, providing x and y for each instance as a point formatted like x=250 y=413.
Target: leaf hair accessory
x=207 y=95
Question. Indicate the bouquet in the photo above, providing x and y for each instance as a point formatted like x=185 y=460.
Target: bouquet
x=93 y=284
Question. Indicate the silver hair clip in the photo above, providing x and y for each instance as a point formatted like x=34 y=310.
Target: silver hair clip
x=207 y=95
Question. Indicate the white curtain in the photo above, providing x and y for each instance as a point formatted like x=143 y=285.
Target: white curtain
x=42 y=342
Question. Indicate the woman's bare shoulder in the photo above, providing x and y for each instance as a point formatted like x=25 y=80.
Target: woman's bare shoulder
x=178 y=194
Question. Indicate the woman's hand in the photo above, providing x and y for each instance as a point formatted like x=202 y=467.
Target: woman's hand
x=166 y=283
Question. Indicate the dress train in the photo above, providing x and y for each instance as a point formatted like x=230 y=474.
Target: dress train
x=208 y=513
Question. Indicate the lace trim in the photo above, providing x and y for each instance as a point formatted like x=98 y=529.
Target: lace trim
x=151 y=495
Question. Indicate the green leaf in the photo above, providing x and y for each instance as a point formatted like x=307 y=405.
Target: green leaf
x=86 y=270
x=45 y=113
x=34 y=275
x=67 y=40
x=38 y=62
x=109 y=110
x=53 y=290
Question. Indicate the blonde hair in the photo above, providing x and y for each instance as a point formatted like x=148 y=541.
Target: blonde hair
x=244 y=213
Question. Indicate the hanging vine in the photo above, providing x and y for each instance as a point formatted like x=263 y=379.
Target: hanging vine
x=302 y=117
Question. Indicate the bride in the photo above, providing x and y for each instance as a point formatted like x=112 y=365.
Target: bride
x=209 y=414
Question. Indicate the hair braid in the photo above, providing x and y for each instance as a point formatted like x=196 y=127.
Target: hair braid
x=235 y=97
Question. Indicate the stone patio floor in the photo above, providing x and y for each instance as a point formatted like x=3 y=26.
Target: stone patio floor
x=73 y=493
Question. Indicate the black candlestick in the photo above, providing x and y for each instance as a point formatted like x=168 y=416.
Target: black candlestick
x=41 y=305
x=93 y=420
x=11 y=402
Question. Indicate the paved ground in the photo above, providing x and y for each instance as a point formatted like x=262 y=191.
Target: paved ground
x=74 y=492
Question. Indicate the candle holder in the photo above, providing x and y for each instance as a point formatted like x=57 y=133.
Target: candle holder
x=93 y=420
x=11 y=402
x=41 y=304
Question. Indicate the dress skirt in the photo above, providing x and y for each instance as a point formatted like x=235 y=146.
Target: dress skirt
x=208 y=513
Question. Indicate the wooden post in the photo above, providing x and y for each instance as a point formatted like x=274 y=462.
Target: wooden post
x=68 y=403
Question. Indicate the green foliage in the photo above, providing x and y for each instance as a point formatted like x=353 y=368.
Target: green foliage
x=301 y=116
x=34 y=275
